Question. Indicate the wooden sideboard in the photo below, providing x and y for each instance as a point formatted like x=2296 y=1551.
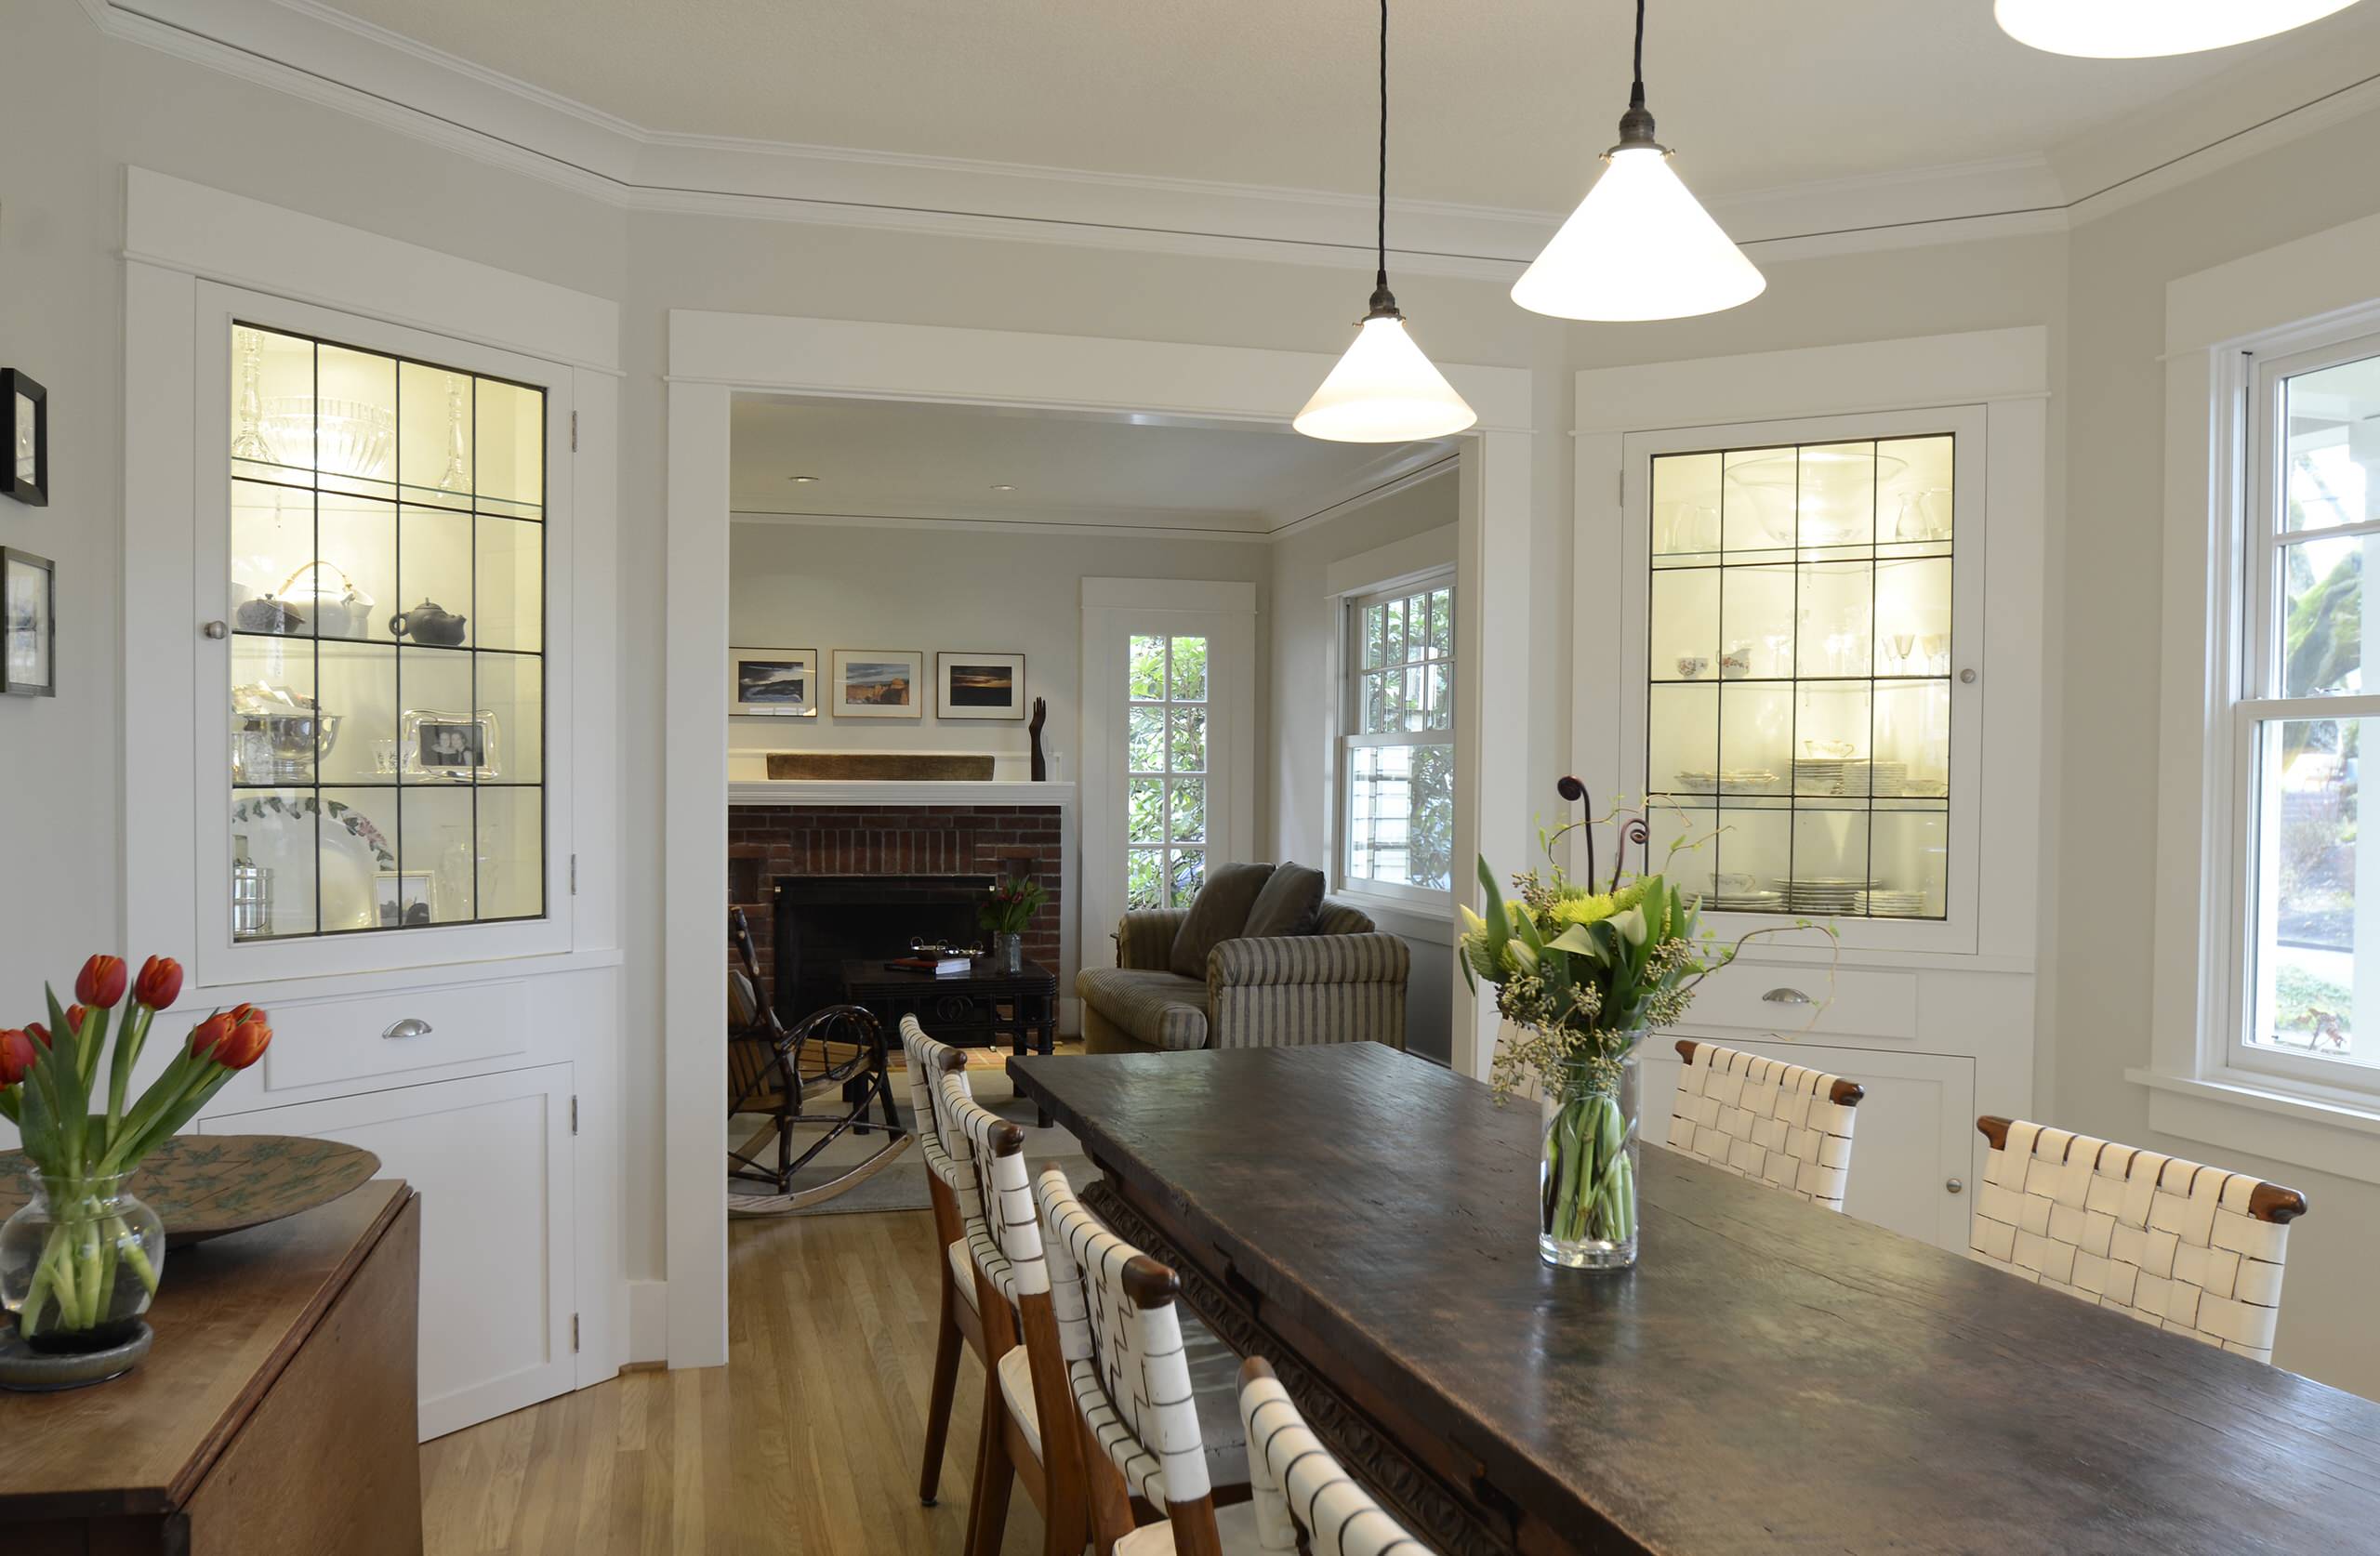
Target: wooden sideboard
x=273 y=1416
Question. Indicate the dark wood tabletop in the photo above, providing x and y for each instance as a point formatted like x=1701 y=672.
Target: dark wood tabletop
x=1772 y=1377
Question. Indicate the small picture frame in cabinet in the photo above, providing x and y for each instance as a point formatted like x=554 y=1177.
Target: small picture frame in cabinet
x=28 y=625
x=25 y=474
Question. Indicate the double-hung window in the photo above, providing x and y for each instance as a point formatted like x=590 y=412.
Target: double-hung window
x=1397 y=742
x=2304 y=719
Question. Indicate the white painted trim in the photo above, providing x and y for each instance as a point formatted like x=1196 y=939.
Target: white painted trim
x=2297 y=1132
x=176 y=225
x=1405 y=920
x=647 y=1306
x=1168 y=594
x=2316 y=284
x=797 y=792
x=1916 y=373
x=1384 y=567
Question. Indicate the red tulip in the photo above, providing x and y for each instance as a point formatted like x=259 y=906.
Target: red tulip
x=101 y=981
x=245 y=1045
x=38 y=1033
x=160 y=983
x=244 y=1011
x=17 y=1056
x=75 y=1014
x=207 y=1035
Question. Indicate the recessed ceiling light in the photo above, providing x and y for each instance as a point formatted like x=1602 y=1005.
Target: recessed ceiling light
x=2139 y=29
x=805 y=481
x=1003 y=488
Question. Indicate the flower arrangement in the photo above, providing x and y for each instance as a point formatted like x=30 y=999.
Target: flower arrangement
x=1583 y=975
x=1011 y=904
x=66 y=1285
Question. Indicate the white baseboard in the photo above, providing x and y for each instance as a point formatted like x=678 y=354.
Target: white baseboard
x=648 y=1332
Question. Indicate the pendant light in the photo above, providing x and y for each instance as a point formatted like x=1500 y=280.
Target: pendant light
x=1639 y=246
x=2140 y=29
x=1383 y=391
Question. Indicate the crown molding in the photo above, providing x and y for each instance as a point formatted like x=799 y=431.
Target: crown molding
x=304 y=49
x=1188 y=529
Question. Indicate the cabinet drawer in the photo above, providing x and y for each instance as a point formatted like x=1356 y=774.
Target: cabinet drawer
x=419 y=1029
x=1778 y=997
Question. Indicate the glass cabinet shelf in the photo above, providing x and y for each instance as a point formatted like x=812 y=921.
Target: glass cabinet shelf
x=1799 y=681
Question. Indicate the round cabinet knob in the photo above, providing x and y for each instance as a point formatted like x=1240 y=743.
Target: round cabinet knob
x=216 y=630
x=1956 y=1185
x=1966 y=677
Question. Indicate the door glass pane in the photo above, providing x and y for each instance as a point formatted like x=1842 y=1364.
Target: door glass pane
x=1189 y=663
x=1187 y=872
x=1145 y=877
x=1189 y=745
x=1146 y=679
x=1145 y=811
x=1145 y=739
x=1187 y=812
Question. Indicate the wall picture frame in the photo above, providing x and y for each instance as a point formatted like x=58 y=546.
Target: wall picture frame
x=972 y=685
x=880 y=683
x=25 y=475
x=772 y=684
x=27 y=623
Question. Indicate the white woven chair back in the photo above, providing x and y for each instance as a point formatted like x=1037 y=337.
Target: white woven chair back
x=1124 y=1359
x=1013 y=1260
x=1781 y=1124
x=1298 y=1487
x=2191 y=1248
x=971 y=1182
x=924 y=1059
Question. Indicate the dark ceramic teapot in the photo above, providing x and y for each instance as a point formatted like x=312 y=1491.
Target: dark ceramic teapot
x=429 y=623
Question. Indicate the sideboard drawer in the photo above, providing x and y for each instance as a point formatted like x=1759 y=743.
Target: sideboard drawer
x=1784 y=997
x=420 y=1029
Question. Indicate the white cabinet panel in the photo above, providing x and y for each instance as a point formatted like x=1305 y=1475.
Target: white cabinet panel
x=492 y=1158
x=1849 y=1002
x=379 y=1035
x=1914 y=1135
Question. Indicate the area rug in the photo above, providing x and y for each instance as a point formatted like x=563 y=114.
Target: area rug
x=901 y=1185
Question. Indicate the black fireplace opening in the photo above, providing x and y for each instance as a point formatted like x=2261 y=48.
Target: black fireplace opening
x=823 y=921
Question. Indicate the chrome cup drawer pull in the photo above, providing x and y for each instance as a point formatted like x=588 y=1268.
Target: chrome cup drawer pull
x=411 y=1026
x=1786 y=996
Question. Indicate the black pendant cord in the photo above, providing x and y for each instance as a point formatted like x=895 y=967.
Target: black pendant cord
x=1636 y=124
x=1383 y=300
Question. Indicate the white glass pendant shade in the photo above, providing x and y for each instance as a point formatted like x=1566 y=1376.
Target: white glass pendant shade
x=1383 y=391
x=2139 y=29
x=1639 y=247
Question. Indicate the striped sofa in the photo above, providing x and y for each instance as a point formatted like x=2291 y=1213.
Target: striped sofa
x=1342 y=983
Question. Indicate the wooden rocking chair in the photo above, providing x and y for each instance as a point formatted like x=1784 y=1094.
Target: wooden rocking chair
x=836 y=1055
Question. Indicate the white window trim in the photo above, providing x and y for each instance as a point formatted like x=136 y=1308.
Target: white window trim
x=1349 y=698
x=2314 y=291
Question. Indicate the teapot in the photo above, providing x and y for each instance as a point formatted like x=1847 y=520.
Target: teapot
x=429 y=623
x=341 y=609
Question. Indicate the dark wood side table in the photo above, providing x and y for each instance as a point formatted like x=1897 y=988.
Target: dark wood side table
x=274 y=1415
x=981 y=1007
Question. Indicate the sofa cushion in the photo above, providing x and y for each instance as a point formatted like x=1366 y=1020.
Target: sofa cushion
x=1289 y=904
x=1217 y=913
x=1158 y=1008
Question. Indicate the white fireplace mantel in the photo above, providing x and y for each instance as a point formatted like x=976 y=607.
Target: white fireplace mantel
x=831 y=791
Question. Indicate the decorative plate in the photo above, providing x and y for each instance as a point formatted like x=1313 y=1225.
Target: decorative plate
x=204 y=1186
x=344 y=853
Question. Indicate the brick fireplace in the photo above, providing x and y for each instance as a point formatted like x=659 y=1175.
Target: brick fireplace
x=917 y=845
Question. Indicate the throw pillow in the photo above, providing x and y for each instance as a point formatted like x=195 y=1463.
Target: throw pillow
x=1289 y=904
x=1217 y=913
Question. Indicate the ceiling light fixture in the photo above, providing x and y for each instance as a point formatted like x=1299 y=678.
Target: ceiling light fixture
x=2142 y=29
x=1003 y=488
x=1383 y=391
x=1639 y=246
x=803 y=481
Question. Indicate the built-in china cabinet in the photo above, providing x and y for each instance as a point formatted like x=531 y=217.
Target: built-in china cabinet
x=1807 y=647
x=371 y=785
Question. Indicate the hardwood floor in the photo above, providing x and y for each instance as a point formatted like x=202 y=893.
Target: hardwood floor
x=806 y=1441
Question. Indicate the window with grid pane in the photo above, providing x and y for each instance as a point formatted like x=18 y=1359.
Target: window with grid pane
x=1396 y=749
x=2313 y=514
x=388 y=586
x=1165 y=815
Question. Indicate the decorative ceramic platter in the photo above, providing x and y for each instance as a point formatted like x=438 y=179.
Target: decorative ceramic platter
x=204 y=1186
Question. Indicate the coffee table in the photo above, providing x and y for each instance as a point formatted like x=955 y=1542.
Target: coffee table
x=980 y=1007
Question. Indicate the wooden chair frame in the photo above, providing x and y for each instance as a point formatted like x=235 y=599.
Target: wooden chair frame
x=961 y=1323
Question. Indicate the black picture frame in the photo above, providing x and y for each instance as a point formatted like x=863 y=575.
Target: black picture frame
x=21 y=398
x=13 y=563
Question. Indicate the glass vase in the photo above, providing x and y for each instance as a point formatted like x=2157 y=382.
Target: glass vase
x=1008 y=952
x=79 y=1264
x=1587 y=1179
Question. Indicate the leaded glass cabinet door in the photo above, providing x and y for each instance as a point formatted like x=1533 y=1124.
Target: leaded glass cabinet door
x=1804 y=702
x=378 y=539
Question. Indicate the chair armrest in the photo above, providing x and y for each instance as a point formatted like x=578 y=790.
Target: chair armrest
x=1145 y=937
x=1272 y=960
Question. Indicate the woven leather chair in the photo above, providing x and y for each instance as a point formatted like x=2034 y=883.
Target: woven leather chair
x=946 y=1177
x=1777 y=1124
x=2187 y=1247
x=1304 y=1501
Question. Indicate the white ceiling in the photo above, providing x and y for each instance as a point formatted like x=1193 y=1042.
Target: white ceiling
x=897 y=460
x=1500 y=105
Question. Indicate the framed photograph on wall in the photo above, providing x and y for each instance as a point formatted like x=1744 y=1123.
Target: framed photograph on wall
x=28 y=625
x=880 y=683
x=781 y=683
x=980 y=685
x=25 y=473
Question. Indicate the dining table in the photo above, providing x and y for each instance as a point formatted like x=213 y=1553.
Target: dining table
x=1769 y=1376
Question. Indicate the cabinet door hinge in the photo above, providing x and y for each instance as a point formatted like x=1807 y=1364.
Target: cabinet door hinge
x=574 y=1331
x=574 y=875
x=574 y=432
x=574 y=1114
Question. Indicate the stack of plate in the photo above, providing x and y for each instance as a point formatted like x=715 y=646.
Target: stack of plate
x=1890 y=778
x=1824 y=894
x=1734 y=780
x=1878 y=903
x=1754 y=900
x=1829 y=775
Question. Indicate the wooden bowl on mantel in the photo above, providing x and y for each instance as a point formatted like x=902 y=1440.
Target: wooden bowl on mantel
x=204 y=1186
